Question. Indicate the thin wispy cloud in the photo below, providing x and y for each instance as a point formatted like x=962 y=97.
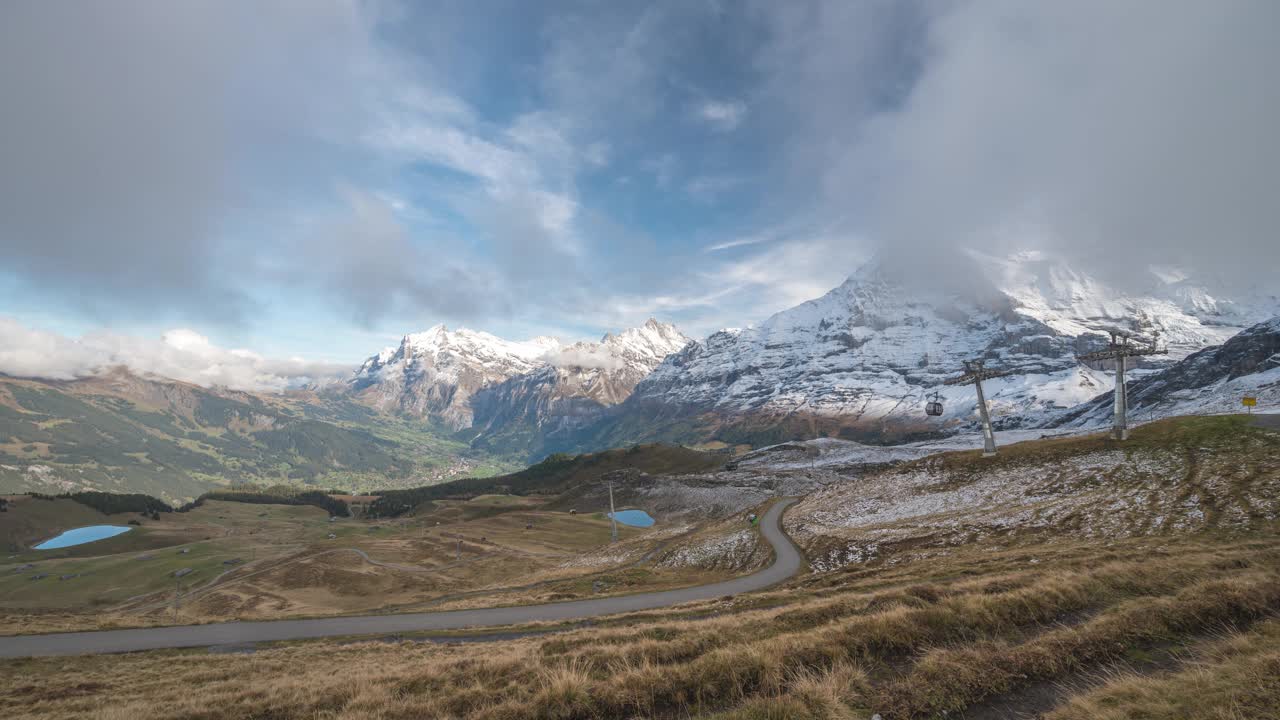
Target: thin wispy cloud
x=722 y=115
x=740 y=242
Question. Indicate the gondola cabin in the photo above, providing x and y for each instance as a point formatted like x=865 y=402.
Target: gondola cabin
x=934 y=406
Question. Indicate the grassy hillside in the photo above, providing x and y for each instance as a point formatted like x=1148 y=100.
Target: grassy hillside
x=558 y=474
x=1070 y=579
x=28 y=520
x=174 y=441
x=1197 y=474
x=1179 y=629
x=633 y=422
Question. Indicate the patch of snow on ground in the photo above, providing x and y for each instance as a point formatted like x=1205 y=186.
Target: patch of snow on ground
x=708 y=552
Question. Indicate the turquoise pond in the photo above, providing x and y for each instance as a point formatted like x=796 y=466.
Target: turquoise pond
x=634 y=518
x=83 y=535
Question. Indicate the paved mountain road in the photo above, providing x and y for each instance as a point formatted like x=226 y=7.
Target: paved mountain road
x=787 y=562
x=1270 y=421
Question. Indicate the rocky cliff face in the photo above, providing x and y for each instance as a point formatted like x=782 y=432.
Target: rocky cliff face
x=434 y=373
x=511 y=394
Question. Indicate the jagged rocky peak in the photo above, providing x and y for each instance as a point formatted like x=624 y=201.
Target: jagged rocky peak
x=635 y=349
x=435 y=373
x=442 y=347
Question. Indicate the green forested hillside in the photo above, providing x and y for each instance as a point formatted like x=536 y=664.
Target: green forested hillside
x=556 y=474
x=175 y=441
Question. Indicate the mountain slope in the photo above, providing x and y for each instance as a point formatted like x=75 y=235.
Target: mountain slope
x=434 y=373
x=510 y=397
x=122 y=433
x=1212 y=380
x=860 y=361
x=544 y=410
x=1173 y=476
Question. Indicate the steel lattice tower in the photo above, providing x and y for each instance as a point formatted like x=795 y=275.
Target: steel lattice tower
x=974 y=375
x=1119 y=349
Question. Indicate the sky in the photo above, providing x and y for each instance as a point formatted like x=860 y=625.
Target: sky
x=199 y=188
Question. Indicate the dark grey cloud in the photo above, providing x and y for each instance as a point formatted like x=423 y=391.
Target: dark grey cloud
x=137 y=137
x=364 y=255
x=113 y=153
x=1112 y=133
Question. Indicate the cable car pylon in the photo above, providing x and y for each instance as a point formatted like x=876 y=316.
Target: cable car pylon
x=1119 y=349
x=974 y=374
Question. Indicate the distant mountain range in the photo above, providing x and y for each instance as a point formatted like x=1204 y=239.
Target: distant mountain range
x=859 y=362
x=512 y=397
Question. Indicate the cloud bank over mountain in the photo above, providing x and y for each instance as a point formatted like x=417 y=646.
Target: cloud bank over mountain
x=1117 y=134
x=313 y=170
x=179 y=354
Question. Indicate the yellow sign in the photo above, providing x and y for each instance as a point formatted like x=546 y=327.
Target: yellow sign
x=1250 y=401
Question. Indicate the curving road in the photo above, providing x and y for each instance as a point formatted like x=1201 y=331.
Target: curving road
x=787 y=561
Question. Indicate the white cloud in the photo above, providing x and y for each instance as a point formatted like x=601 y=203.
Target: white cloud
x=1123 y=133
x=179 y=354
x=738 y=242
x=583 y=355
x=455 y=149
x=789 y=273
x=597 y=154
x=722 y=115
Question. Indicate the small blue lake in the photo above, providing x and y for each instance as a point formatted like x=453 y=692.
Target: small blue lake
x=634 y=518
x=83 y=535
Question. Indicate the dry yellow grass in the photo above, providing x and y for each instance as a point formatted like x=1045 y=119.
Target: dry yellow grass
x=507 y=555
x=1236 y=678
x=966 y=632
x=1179 y=623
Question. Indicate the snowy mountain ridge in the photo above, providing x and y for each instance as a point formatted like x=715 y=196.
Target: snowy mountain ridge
x=435 y=373
x=859 y=362
x=1188 y=316
x=1211 y=381
x=862 y=360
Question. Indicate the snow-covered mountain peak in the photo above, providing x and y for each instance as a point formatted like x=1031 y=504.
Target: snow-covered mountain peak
x=435 y=372
x=640 y=349
x=653 y=340
x=865 y=356
x=1187 y=315
x=438 y=341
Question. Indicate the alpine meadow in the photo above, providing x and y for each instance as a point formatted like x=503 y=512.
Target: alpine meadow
x=817 y=360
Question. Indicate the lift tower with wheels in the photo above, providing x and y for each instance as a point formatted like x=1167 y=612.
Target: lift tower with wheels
x=613 y=516
x=974 y=374
x=1120 y=349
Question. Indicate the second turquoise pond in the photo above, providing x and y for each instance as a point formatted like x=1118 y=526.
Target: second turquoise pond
x=634 y=518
